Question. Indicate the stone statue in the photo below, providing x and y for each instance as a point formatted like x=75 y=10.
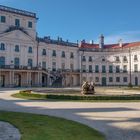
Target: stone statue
x=88 y=88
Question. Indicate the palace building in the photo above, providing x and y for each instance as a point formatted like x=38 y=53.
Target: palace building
x=27 y=60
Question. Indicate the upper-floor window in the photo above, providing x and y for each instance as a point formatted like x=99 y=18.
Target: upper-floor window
x=30 y=62
x=90 y=59
x=117 y=59
x=44 y=52
x=44 y=65
x=30 y=50
x=63 y=66
x=30 y=24
x=83 y=58
x=17 y=48
x=103 y=69
x=71 y=55
x=84 y=68
x=96 y=68
x=63 y=54
x=117 y=69
x=135 y=58
x=53 y=66
x=54 y=53
x=125 y=59
x=125 y=68
x=2 y=61
x=17 y=22
x=90 y=68
x=136 y=68
x=3 y=19
x=110 y=69
x=2 y=46
x=16 y=61
x=71 y=66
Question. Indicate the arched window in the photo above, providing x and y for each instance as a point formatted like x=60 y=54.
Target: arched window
x=2 y=46
x=44 y=52
x=30 y=62
x=30 y=50
x=2 y=61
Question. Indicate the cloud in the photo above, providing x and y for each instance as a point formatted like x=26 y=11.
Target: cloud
x=129 y=36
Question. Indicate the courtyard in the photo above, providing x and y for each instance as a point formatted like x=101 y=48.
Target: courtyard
x=116 y=120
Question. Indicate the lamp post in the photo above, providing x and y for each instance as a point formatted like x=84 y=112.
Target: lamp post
x=81 y=66
x=130 y=82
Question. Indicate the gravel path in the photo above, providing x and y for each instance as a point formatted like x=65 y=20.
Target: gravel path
x=8 y=132
x=118 y=121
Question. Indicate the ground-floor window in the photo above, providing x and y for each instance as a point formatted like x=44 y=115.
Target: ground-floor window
x=117 y=79
x=124 y=79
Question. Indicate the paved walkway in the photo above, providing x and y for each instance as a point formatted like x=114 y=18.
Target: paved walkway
x=118 y=121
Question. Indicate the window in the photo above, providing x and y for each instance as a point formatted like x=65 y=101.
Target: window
x=63 y=54
x=53 y=66
x=103 y=59
x=44 y=65
x=135 y=68
x=135 y=58
x=17 y=48
x=17 y=22
x=117 y=69
x=103 y=69
x=117 y=79
x=125 y=68
x=2 y=46
x=3 y=19
x=124 y=59
x=30 y=50
x=117 y=59
x=16 y=61
x=124 y=79
x=44 y=52
x=30 y=24
x=110 y=69
x=84 y=68
x=90 y=59
x=71 y=66
x=110 y=79
x=54 y=53
x=90 y=68
x=96 y=68
x=71 y=55
x=2 y=61
x=30 y=62
x=83 y=58
x=96 y=79
x=63 y=66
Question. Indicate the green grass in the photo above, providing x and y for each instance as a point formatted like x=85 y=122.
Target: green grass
x=95 y=98
x=40 y=127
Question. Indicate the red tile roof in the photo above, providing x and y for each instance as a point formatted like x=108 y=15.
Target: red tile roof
x=109 y=46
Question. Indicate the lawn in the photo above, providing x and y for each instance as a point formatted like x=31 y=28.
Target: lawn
x=83 y=98
x=40 y=127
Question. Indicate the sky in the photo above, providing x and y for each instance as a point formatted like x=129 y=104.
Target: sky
x=84 y=19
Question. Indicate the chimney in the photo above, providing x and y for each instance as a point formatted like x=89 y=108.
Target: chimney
x=120 y=43
x=101 y=41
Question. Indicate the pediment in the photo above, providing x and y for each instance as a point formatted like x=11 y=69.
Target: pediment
x=17 y=35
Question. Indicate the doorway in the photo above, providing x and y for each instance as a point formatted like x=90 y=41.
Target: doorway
x=17 y=80
x=2 y=81
x=136 y=81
